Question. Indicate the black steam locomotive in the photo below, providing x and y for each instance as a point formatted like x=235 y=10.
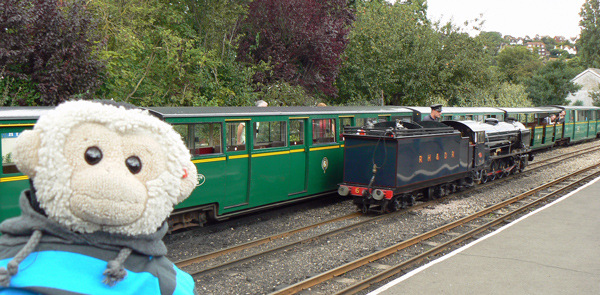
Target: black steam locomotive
x=389 y=165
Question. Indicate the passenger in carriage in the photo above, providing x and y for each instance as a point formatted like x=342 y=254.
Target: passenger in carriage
x=561 y=117
x=241 y=130
x=550 y=120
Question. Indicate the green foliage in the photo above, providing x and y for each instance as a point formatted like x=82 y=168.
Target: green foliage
x=492 y=41
x=504 y=94
x=517 y=64
x=391 y=50
x=549 y=41
x=463 y=65
x=589 y=40
x=284 y=94
x=578 y=103
x=558 y=53
x=551 y=84
x=8 y=158
x=15 y=91
x=595 y=96
x=155 y=56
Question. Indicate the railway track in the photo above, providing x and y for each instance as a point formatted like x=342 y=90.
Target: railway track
x=200 y=265
x=441 y=239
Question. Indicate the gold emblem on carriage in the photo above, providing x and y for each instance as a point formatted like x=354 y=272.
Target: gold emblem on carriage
x=324 y=164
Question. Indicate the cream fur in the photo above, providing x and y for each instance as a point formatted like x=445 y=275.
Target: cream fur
x=105 y=197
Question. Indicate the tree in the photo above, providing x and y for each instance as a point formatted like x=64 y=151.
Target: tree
x=517 y=64
x=551 y=84
x=302 y=40
x=595 y=96
x=463 y=65
x=155 y=55
x=503 y=94
x=589 y=40
x=391 y=53
x=492 y=40
x=48 y=48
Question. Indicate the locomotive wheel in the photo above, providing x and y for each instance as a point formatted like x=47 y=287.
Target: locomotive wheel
x=362 y=207
x=484 y=177
x=515 y=166
x=410 y=200
x=522 y=165
x=441 y=191
x=394 y=205
x=494 y=168
x=502 y=166
x=431 y=193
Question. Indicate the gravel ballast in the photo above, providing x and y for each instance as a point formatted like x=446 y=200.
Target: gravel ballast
x=285 y=268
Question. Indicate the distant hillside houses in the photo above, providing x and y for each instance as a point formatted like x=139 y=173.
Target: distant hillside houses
x=536 y=44
x=540 y=46
x=589 y=81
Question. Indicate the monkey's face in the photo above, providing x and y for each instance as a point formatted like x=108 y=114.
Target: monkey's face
x=110 y=173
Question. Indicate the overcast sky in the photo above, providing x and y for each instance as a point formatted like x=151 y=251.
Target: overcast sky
x=513 y=17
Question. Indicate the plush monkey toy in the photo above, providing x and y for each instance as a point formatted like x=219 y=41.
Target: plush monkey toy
x=104 y=180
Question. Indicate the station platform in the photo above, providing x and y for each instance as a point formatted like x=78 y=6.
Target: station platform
x=553 y=250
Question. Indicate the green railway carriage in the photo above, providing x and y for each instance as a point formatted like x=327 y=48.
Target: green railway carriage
x=581 y=123
x=478 y=114
x=13 y=121
x=248 y=158
x=251 y=158
x=543 y=133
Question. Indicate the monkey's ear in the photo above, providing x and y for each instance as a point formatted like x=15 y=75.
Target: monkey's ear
x=26 y=152
x=188 y=182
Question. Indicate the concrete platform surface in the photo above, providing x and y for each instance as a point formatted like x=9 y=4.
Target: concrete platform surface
x=553 y=250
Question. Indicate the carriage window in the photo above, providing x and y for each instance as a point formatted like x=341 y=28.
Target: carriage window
x=469 y=117
x=345 y=122
x=323 y=131
x=8 y=144
x=403 y=118
x=236 y=136
x=580 y=116
x=184 y=131
x=207 y=138
x=365 y=121
x=270 y=134
x=447 y=118
x=296 y=132
x=201 y=139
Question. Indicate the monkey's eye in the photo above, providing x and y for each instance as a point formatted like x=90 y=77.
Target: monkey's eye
x=134 y=164
x=93 y=155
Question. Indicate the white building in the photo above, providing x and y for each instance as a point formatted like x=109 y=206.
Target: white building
x=589 y=81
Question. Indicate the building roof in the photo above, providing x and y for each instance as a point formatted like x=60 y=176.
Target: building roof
x=594 y=71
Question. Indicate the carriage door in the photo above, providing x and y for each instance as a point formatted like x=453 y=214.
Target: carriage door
x=298 y=156
x=238 y=164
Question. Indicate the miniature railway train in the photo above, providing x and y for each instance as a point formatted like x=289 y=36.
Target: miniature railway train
x=250 y=159
x=392 y=164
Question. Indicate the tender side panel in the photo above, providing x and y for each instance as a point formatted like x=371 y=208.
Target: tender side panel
x=428 y=158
